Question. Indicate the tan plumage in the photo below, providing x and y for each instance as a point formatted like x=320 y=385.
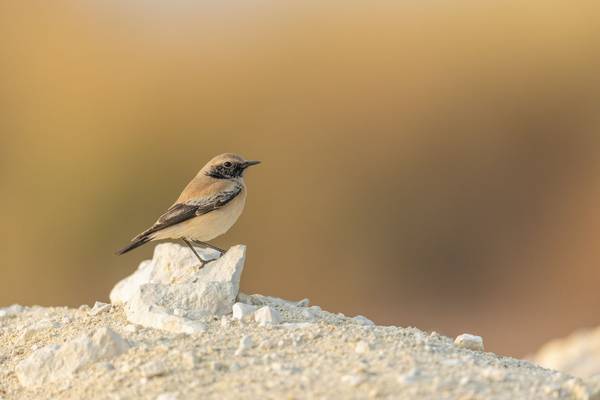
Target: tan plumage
x=208 y=226
x=208 y=206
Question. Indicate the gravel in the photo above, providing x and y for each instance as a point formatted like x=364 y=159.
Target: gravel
x=330 y=356
x=177 y=331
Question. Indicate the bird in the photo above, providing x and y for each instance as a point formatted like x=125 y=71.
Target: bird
x=206 y=208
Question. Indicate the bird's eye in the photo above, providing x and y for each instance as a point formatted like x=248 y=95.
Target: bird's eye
x=227 y=164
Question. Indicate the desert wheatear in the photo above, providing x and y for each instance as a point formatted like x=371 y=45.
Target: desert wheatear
x=208 y=206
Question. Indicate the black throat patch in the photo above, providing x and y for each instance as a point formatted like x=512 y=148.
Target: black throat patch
x=222 y=172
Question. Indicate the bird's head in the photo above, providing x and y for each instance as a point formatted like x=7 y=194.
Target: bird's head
x=227 y=166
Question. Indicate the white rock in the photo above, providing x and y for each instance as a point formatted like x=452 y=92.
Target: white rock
x=468 y=341
x=243 y=311
x=190 y=327
x=128 y=287
x=144 y=310
x=131 y=328
x=362 y=347
x=245 y=344
x=179 y=312
x=170 y=292
x=11 y=310
x=303 y=303
x=154 y=368
x=267 y=315
x=60 y=362
x=225 y=322
x=307 y=314
x=363 y=320
x=261 y=300
x=409 y=377
x=99 y=308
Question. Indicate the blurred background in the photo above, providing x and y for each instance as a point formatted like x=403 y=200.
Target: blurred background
x=432 y=164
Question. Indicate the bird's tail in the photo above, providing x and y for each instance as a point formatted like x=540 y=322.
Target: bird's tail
x=135 y=243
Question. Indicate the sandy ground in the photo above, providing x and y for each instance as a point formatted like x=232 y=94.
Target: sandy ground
x=326 y=356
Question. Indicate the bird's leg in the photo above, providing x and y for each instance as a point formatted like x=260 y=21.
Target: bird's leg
x=202 y=262
x=210 y=245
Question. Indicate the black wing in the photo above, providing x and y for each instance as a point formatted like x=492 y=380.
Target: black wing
x=181 y=212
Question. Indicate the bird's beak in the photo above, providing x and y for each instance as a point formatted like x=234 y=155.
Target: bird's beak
x=250 y=163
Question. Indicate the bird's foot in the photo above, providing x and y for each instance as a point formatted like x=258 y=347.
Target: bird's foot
x=204 y=244
x=204 y=262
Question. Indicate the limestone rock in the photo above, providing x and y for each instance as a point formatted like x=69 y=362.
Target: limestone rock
x=154 y=368
x=267 y=315
x=99 y=308
x=170 y=292
x=261 y=300
x=468 y=341
x=363 y=320
x=59 y=362
x=362 y=347
x=242 y=311
x=11 y=310
x=245 y=344
x=126 y=288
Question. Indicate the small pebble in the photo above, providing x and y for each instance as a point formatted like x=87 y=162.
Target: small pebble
x=99 y=308
x=468 y=341
x=11 y=310
x=154 y=369
x=303 y=303
x=410 y=377
x=179 y=312
x=362 y=347
x=267 y=315
x=225 y=322
x=242 y=311
x=307 y=314
x=363 y=320
x=245 y=344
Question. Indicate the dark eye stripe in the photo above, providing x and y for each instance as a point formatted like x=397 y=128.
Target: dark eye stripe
x=227 y=170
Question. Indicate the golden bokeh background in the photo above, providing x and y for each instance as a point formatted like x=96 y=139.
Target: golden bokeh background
x=432 y=164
